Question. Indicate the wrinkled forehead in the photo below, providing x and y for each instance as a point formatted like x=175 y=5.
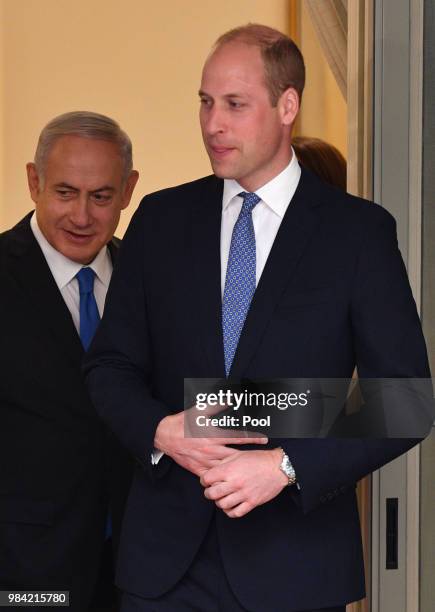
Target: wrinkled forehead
x=83 y=160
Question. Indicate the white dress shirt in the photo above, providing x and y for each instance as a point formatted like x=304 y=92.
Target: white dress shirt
x=266 y=216
x=64 y=271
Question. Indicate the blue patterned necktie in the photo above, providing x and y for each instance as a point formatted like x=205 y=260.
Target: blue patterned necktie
x=89 y=315
x=240 y=278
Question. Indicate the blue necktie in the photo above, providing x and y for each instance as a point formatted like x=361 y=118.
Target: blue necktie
x=240 y=278
x=89 y=315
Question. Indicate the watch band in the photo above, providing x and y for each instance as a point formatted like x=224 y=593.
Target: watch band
x=287 y=469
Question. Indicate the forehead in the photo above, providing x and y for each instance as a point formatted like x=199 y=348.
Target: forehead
x=233 y=65
x=83 y=157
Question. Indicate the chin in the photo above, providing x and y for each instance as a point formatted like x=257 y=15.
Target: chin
x=79 y=255
x=222 y=172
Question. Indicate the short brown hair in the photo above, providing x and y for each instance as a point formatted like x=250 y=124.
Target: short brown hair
x=283 y=62
x=322 y=158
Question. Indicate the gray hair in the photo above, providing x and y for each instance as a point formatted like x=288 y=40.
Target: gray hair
x=86 y=125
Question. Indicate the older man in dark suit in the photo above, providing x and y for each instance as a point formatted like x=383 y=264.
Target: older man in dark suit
x=59 y=468
x=261 y=271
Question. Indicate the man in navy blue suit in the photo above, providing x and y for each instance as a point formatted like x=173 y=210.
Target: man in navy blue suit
x=259 y=271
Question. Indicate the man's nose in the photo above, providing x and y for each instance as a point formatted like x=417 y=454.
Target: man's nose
x=215 y=122
x=79 y=214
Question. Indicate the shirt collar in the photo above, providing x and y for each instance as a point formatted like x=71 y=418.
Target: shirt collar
x=277 y=193
x=64 y=269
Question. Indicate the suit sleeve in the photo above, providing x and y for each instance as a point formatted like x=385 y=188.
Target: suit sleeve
x=388 y=343
x=118 y=365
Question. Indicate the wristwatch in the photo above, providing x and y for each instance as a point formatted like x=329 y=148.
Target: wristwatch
x=287 y=469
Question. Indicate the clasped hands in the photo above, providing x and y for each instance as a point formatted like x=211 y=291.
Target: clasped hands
x=236 y=480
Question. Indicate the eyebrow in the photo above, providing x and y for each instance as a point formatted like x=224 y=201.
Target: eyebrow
x=66 y=186
x=103 y=188
x=228 y=95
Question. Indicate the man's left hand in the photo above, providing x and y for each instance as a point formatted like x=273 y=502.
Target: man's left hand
x=244 y=481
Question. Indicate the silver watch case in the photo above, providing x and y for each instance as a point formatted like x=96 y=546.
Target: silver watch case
x=287 y=469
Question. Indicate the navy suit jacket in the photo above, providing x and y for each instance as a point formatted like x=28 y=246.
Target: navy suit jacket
x=59 y=469
x=334 y=295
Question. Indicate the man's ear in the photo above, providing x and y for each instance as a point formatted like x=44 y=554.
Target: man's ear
x=33 y=181
x=130 y=184
x=288 y=105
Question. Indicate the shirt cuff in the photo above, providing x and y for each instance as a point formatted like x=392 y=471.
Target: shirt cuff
x=156 y=455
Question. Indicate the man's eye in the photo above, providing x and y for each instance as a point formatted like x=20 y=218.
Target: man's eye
x=101 y=197
x=64 y=193
x=205 y=102
x=234 y=104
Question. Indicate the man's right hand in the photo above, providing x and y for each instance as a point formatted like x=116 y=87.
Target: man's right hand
x=196 y=454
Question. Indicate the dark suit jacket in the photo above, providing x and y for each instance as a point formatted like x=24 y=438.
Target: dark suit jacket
x=53 y=448
x=334 y=294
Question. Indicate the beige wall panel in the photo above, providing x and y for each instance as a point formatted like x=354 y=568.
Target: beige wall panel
x=136 y=60
x=324 y=110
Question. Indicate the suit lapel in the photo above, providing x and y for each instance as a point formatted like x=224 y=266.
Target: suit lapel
x=204 y=245
x=298 y=224
x=29 y=269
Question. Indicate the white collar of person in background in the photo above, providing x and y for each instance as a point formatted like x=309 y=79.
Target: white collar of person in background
x=64 y=269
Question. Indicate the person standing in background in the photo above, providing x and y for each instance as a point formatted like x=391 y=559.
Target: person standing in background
x=63 y=478
x=322 y=158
